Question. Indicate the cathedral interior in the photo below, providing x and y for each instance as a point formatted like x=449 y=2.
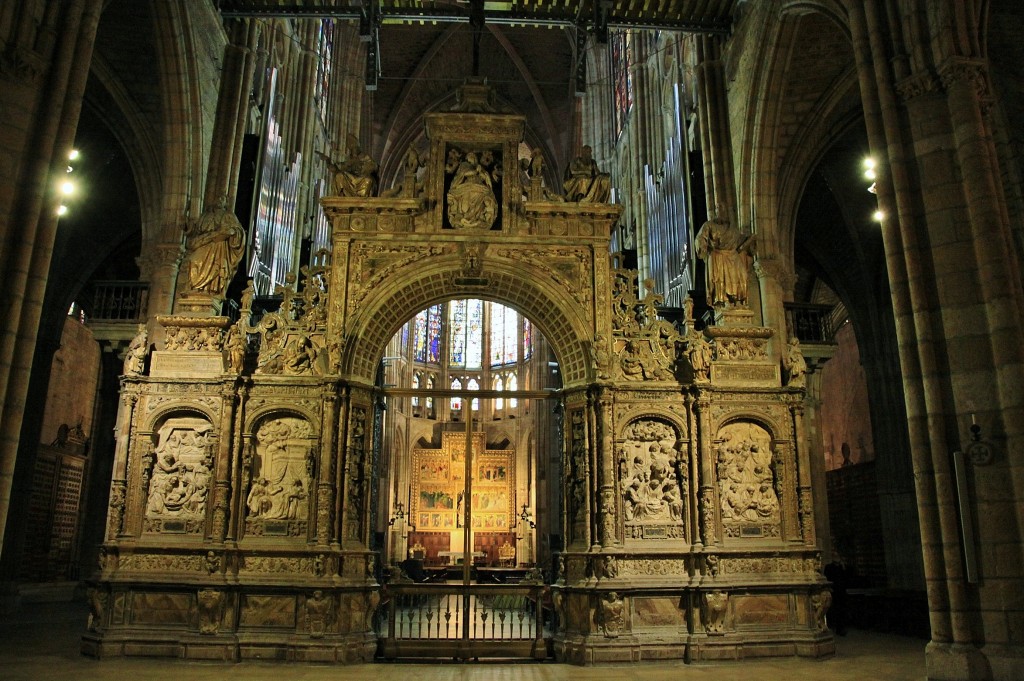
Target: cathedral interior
x=596 y=332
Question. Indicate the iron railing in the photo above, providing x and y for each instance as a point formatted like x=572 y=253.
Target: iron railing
x=119 y=301
x=810 y=323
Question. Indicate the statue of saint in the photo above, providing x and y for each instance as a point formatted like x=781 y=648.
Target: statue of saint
x=135 y=357
x=796 y=365
x=584 y=182
x=728 y=254
x=215 y=246
x=357 y=176
x=471 y=202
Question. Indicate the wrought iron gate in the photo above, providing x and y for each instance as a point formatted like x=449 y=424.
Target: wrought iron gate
x=464 y=621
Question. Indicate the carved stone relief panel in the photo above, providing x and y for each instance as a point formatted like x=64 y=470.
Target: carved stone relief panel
x=357 y=479
x=282 y=466
x=179 y=469
x=653 y=480
x=747 y=481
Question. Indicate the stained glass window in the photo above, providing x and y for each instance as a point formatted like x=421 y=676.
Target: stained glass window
x=456 y=401
x=434 y=335
x=474 y=334
x=420 y=337
x=527 y=339
x=622 y=60
x=504 y=335
x=457 y=333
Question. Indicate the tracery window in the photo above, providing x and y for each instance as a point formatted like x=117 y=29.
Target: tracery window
x=504 y=335
x=456 y=401
x=465 y=322
x=473 y=385
x=499 y=402
x=622 y=60
x=427 y=335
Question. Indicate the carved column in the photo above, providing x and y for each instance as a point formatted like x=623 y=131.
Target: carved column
x=241 y=469
x=325 y=489
x=607 y=516
x=119 y=481
x=593 y=466
x=804 y=503
x=223 y=467
x=337 y=464
x=706 y=478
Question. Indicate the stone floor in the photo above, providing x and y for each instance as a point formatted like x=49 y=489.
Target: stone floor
x=40 y=641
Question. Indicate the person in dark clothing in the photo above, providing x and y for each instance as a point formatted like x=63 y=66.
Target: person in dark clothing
x=838 y=614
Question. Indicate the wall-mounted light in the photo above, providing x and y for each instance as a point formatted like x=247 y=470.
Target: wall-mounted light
x=878 y=216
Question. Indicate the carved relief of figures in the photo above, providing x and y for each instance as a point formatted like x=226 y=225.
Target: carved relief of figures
x=746 y=475
x=280 y=476
x=611 y=615
x=652 y=473
x=357 y=175
x=179 y=483
x=602 y=357
x=729 y=256
x=209 y=606
x=714 y=607
x=796 y=365
x=299 y=356
x=215 y=245
x=471 y=202
x=138 y=350
x=584 y=182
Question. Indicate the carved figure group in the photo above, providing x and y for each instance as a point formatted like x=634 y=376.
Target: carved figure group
x=281 y=478
x=652 y=477
x=729 y=255
x=215 y=246
x=746 y=475
x=471 y=202
x=180 y=481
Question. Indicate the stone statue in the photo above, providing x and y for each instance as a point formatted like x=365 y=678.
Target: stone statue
x=584 y=182
x=699 y=352
x=235 y=348
x=216 y=244
x=471 y=202
x=728 y=254
x=138 y=349
x=248 y=294
x=300 y=356
x=611 y=612
x=796 y=365
x=357 y=176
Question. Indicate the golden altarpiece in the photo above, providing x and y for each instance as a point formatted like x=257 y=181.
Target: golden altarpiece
x=240 y=518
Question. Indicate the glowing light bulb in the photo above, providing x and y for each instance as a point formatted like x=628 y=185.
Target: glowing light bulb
x=73 y=154
x=878 y=216
x=870 y=174
x=62 y=209
x=67 y=187
x=869 y=163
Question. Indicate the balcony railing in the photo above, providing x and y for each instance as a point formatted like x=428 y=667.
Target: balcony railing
x=118 y=301
x=810 y=323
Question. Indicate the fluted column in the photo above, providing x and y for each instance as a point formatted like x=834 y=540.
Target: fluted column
x=607 y=516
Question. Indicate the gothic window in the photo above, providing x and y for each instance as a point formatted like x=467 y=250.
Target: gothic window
x=527 y=339
x=622 y=60
x=504 y=335
x=325 y=50
x=499 y=402
x=512 y=384
x=415 y=386
x=420 y=336
x=456 y=400
x=434 y=335
x=465 y=323
x=430 y=399
x=473 y=385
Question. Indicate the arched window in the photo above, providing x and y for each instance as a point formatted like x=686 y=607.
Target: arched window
x=465 y=329
x=499 y=402
x=415 y=386
x=504 y=335
x=456 y=400
x=430 y=398
x=512 y=384
x=427 y=336
x=473 y=385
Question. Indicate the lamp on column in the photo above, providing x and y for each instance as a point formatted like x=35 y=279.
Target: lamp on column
x=527 y=518
x=398 y=515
